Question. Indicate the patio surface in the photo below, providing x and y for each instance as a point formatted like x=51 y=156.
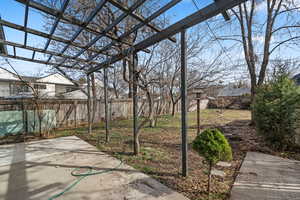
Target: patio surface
x=41 y=169
x=264 y=177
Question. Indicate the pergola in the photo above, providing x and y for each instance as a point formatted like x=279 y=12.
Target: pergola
x=92 y=64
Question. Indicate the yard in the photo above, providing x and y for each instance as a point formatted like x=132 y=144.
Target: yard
x=149 y=57
x=160 y=154
x=161 y=148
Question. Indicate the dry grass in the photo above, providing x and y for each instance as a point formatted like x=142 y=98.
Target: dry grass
x=160 y=152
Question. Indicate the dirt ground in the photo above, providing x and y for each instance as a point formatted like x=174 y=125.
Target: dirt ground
x=160 y=149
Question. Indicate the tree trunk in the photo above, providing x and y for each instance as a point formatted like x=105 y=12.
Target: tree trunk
x=94 y=93
x=136 y=143
x=40 y=124
x=173 y=108
x=116 y=91
x=130 y=80
x=253 y=88
x=151 y=112
x=152 y=120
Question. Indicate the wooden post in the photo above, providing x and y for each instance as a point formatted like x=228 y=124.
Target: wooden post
x=198 y=116
x=89 y=104
x=24 y=120
x=106 y=106
x=75 y=113
x=184 y=146
x=135 y=106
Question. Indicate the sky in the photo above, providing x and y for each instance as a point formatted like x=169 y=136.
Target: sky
x=13 y=11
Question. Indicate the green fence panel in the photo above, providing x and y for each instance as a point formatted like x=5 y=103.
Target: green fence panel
x=48 y=119
x=11 y=122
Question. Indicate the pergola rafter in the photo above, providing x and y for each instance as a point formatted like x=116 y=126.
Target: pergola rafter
x=50 y=52
x=137 y=4
x=45 y=35
x=36 y=61
x=138 y=26
x=138 y=17
x=196 y=18
x=88 y=20
x=54 y=26
x=25 y=22
x=69 y=19
x=125 y=49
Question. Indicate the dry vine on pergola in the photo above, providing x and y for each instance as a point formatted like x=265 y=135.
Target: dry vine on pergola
x=92 y=64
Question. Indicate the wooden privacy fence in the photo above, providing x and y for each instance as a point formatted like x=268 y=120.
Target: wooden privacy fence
x=29 y=115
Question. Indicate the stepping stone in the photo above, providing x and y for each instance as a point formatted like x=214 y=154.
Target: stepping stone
x=223 y=164
x=267 y=177
x=216 y=172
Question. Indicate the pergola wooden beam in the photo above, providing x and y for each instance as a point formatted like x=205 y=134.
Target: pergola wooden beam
x=87 y=21
x=26 y=21
x=34 y=49
x=3 y=48
x=225 y=14
x=54 y=26
x=36 y=61
x=196 y=18
x=68 y=18
x=140 y=25
x=138 y=17
x=137 y=4
x=46 y=35
x=183 y=92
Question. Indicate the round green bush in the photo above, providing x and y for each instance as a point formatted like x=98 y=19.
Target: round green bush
x=213 y=146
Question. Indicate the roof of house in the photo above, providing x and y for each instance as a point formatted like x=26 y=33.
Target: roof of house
x=55 y=78
x=29 y=78
x=7 y=75
x=76 y=94
x=296 y=78
x=231 y=91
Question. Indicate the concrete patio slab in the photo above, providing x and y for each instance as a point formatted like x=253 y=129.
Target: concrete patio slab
x=38 y=170
x=264 y=177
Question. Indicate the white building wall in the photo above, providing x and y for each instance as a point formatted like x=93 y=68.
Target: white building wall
x=60 y=89
x=4 y=89
x=48 y=92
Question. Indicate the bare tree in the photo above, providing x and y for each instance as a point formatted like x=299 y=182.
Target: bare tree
x=265 y=27
x=203 y=67
x=158 y=75
x=116 y=81
x=280 y=66
x=36 y=97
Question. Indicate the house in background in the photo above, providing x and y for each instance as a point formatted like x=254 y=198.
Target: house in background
x=233 y=90
x=50 y=86
x=296 y=78
x=79 y=94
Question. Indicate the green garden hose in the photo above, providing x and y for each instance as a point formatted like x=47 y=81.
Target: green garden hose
x=81 y=176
